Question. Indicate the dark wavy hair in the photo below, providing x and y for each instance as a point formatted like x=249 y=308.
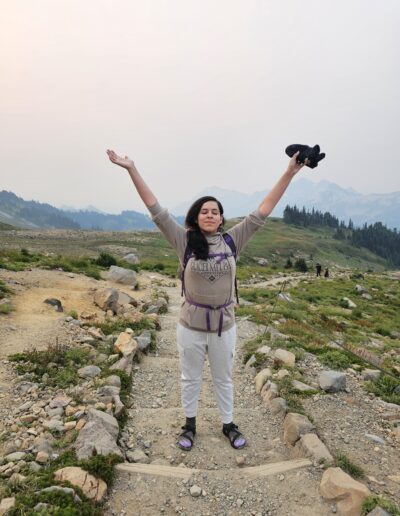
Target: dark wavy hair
x=196 y=240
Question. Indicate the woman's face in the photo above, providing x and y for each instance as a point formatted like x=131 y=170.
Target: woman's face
x=209 y=218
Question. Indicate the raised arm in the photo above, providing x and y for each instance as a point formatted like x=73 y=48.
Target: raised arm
x=274 y=196
x=143 y=190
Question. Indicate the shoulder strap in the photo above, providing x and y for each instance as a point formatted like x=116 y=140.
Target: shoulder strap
x=230 y=242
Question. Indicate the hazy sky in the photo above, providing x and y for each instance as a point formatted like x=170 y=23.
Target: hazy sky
x=197 y=93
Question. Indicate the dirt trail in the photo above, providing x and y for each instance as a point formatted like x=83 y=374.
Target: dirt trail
x=154 y=422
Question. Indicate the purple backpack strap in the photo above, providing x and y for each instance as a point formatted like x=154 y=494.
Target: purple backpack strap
x=229 y=240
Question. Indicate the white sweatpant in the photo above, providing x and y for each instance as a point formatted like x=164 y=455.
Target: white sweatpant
x=193 y=346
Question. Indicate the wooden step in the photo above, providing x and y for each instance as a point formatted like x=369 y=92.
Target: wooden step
x=178 y=472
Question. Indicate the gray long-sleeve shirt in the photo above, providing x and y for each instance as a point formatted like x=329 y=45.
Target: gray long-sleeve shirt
x=208 y=282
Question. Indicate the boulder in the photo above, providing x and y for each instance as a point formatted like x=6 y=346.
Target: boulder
x=109 y=422
x=121 y=275
x=131 y=258
x=6 y=504
x=371 y=375
x=261 y=378
x=56 y=303
x=124 y=364
x=137 y=455
x=348 y=302
x=89 y=371
x=349 y=495
x=301 y=387
x=125 y=344
x=278 y=406
x=126 y=299
x=309 y=445
x=378 y=511
x=332 y=381
x=107 y=299
x=94 y=488
x=285 y=357
x=94 y=439
x=144 y=340
x=294 y=426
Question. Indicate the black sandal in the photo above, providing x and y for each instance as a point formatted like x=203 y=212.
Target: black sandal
x=235 y=437
x=186 y=438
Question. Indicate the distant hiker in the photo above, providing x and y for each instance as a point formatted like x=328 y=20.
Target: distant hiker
x=319 y=269
x=207 y=319
x=326 y=273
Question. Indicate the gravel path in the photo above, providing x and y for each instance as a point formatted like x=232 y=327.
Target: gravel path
x=154 y=422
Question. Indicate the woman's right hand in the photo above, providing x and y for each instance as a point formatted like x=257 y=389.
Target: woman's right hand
x=118 y=160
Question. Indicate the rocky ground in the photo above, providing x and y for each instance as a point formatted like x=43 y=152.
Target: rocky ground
x=265 y=478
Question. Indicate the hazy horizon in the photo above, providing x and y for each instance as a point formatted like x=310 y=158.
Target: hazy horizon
x=197 y=94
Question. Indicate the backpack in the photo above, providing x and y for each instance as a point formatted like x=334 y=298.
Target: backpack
x=188 y=253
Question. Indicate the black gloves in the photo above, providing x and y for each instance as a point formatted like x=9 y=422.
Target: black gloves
x=311 y=153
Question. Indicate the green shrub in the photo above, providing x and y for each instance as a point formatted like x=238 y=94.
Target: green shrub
x=118 y=325
x=6 y=308
x=106 y=260
x=373 y=501
x=301 y=265
x=386 y=387
x=342 y=461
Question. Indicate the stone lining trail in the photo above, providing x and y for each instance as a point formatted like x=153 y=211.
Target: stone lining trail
x=268 y=483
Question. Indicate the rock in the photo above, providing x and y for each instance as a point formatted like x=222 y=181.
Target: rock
x=121 y=275
x=282 y=373
x=332 y=381
x=349 y=495
x=301 y=387
x=125 y=344
x=378 y=511
x=360 y=289
x=42 y=457
x=60 y=401
x=94 y=439
x=285 y=297
x=285 y=357
x=66 y=490
x=92 y=487
x=240 y=461
x=96 y=333
x=113 y=380
x=195 y=491
x=144 y=340
x=89 y=371
x=367 y=296
x=124 y=364
x=261 y=378
x=348 y=302
x=263 y=262
x=309 y=445
x=56 y=303
x=131 y=258
x=126 y=299
x=371 y=375
x=264 y=350
x=375 y=438
x=278 y=406
x=251 y=361
x=15 y=457
x=54 y=425
x=6 y=504
x=294 y=426
x=109 y=422
x=107 y=299
x=269 y=391
x=137 y=455
x=17 y=480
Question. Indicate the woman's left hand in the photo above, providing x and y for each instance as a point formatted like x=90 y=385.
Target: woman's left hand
x=293 y=166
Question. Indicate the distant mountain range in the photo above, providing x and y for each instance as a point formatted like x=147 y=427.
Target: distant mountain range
x=324 y=196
